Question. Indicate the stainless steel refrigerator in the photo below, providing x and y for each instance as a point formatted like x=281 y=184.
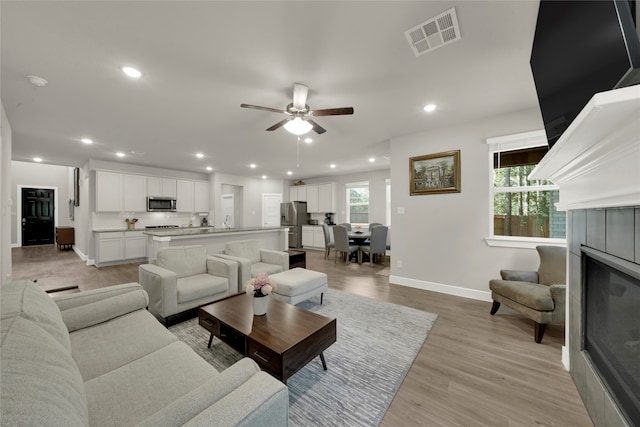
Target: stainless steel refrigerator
x=294 y=215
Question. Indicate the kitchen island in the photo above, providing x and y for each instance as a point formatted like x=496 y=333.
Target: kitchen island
x=214 y=239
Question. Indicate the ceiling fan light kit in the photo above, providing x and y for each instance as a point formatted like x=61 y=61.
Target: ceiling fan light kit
x=298 y=126
x=299 y=114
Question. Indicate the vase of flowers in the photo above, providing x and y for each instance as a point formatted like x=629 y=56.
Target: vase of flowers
x=259 y=288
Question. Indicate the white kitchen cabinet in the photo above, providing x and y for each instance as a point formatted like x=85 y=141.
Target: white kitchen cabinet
x=201 y=196
x=318 y=237
x=307 y=236
x=327 y=197
x=110 y=247
x=135 y=192
x=117 y=192
x=184 y=195
x=312 y=236
x=320 y=198
x=135 y=245
x=312 y=198
x=298 y=193
x=161 y=187
x=109 y=192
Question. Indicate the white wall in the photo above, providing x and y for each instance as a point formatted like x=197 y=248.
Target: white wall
x=5 y=198
x=440 y=238
x=36 y=175
x=252 y=190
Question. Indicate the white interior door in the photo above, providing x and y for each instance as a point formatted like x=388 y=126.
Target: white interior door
x=227 y=205
x=271 y=209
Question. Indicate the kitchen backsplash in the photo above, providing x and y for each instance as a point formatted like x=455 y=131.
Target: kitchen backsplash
x=116 y=221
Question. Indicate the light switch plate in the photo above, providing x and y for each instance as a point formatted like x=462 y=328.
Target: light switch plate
x=400 y=211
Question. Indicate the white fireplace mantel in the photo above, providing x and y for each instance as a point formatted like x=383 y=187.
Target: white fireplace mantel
x=596 y=161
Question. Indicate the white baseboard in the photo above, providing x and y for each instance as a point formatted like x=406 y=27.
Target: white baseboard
x=441 y=288
x=15 y=245
x=565 y=358
x=83 y=256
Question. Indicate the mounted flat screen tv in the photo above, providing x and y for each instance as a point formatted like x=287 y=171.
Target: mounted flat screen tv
x=581 y=48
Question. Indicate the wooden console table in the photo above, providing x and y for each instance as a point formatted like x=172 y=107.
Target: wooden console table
x=65 y=237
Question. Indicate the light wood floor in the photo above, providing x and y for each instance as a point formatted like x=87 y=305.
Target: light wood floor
x=473 y=370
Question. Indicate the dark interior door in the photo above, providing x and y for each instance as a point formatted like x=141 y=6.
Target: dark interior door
x=37 y=217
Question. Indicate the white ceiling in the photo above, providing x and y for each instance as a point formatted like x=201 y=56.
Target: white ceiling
x=201 y=60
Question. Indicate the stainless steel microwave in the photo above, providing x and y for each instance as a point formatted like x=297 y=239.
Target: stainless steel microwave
x=161 y=204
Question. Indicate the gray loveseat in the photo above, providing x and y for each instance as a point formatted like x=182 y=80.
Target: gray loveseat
x=99 y=358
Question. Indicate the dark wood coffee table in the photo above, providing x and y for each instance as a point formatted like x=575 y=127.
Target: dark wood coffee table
x=281 y=342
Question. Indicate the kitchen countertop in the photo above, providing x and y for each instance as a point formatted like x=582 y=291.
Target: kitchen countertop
x=189 y=231
x=114 y=230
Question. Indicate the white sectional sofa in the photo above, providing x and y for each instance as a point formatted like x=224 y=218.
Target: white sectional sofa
x=98 y=358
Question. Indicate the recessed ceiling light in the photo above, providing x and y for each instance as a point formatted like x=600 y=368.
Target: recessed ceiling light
x=131 y=72
x=429 y=107
x=332 y=165
x=264 y=176
x=87 y=141
x=199 y=155
x=289 y=173
x=308 y=140
x=120 y=154
x=209 y=168
x=252 y=165
x=372 y=159
x=37 y=159
x=36 y=81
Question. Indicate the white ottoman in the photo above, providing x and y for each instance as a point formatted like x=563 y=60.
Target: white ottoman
x=299 y=284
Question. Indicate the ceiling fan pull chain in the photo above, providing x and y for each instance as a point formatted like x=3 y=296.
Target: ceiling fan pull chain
x=298 y=154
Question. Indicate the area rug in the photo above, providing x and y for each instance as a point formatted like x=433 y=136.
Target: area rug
x=376 y=344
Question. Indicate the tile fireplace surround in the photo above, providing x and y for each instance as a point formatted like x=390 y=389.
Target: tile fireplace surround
x=596 y=164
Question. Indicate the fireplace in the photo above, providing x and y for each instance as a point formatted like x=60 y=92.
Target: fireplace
x=611 y=326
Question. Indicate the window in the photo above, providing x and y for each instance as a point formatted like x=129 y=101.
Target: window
x=523 y=211
x=358 y=203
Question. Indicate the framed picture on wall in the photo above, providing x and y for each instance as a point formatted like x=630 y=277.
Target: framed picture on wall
x=435 y=173
x=76 y=186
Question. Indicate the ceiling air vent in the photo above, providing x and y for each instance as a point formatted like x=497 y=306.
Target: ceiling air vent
x=434 y=33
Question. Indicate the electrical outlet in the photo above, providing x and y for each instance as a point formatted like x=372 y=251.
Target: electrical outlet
x=399 y=263
x=400 y=211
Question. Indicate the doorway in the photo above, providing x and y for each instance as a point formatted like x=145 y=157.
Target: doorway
x=38 y=216
x=271 y=209
x=227 y=210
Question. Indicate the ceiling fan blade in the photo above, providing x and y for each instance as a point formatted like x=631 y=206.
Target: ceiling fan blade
x=257 y=107
x=316 y=127
x=278 y=125
x=332 y=112
x=300 y=93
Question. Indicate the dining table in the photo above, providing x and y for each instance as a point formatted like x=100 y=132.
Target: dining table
x=358 y=237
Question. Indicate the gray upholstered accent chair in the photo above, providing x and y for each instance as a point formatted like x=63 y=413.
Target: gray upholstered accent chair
x=328 y=243
x=342 y=245
x=252 y=259
x=378 y=245
x=373 y=224
x=184 y=277
x=539 y=295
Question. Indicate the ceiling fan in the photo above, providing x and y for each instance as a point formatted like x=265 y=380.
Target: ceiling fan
x=298 y=120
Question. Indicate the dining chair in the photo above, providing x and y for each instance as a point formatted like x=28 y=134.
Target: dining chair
x=342 y=245
x=371 y=226
x=346 y=225
x=378 y=245
x=328 y=244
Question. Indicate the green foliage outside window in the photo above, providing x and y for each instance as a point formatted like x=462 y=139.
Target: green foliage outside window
x=522 y=212
x=358 y=205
